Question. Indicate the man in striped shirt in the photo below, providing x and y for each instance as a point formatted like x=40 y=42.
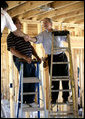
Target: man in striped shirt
x=23 y=50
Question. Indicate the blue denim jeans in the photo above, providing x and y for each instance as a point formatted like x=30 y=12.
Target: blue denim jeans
x=29 y=70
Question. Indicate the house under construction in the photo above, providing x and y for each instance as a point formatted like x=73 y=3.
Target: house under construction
x=67 y=16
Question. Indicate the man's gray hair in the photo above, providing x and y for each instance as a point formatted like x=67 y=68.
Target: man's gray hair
x=50 y=20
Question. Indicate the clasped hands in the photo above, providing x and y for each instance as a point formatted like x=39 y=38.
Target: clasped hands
x=27 y=38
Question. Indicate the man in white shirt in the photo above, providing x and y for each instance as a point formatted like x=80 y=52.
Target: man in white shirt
x=45 y=38
x=6 y=21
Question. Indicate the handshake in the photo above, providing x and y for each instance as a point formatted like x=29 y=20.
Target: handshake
x=26 y=38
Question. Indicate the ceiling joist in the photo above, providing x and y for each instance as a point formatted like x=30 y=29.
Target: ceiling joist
x=61 y=11
x=29 y=5
x=68 y=15
x=58 y=11
x=13 y=4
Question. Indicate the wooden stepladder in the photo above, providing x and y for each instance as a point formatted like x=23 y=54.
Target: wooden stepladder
x=74 y=111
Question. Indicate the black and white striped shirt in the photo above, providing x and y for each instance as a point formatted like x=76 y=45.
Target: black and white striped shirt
x=19 y=44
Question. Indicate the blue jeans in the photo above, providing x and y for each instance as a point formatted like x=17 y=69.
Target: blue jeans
x=29 y=70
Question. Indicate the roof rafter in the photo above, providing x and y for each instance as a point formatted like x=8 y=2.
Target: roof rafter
x=69 y=14
x=13 y=4
x=29 y=5
x=60 y=11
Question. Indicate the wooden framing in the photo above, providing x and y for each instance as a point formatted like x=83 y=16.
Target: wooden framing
x=29 y=5
x=61 y=11
x=13 y=4
x=68 y=15
x=67 y=11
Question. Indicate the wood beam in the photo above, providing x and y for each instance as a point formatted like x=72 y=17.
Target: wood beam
x=73 y=19
x=13 y=4
x=60 y=11
x=35 y=12
x=81 y=21
x=29 y=14
x=29 y=5
x=68 y=15
x=56 y=23
x=77 y=42
x=60 y=4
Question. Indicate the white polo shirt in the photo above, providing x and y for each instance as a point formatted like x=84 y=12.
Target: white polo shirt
x=6 y=21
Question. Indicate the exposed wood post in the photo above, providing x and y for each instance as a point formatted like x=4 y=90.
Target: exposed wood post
x=16 y=80
x=82 y=78
x=46 y=77
x=39 y=51
x=11 y=86
x=25 y=29
x=75 y=73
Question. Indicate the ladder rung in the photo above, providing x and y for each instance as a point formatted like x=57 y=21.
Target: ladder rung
x=62 y=115
x=60 y=77
x=61 y=90
x=60 y=62
x=62 y=103
x=30 y=93
x=31 y=80
x=61 y=112
x=30 y=109
x=61 y=48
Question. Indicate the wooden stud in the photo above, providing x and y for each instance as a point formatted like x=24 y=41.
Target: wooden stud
x=11 y=87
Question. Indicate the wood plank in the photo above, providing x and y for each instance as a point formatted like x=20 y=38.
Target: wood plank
x=69 y=14
x=59 y=11
x=61 y=4
x=81 y=21
x=11 y=88
x=13 y=4
x=75 y=72
x=30 y=13
x=54 y=5
x=29 y=5
x=73 y=19
x=77 y=42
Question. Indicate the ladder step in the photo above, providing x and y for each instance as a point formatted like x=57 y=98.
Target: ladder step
x=31 y=80
x=61 y=48
x=60 y=62
x=60 y=79
x=61 y=90
x=62 y=103
x=31 y=109
x=61 y=112
x=30 y=93
x=61 y=33
x=62 y=115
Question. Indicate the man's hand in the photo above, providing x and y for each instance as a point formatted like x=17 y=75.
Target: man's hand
x=39 y=60
x=26 y=38
x=28 y=59
x=45 y=62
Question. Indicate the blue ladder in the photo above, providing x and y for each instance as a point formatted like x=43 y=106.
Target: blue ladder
x=21 y=90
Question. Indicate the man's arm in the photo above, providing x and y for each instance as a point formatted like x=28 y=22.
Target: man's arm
x=21 y=34
x=19 y=55
x=10 y=25
x=32 y=39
